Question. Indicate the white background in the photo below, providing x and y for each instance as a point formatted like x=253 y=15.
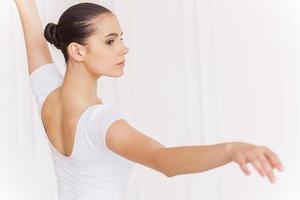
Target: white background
x=198 y=72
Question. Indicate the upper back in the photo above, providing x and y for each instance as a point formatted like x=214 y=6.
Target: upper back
x=60 y=119
x=59 y=113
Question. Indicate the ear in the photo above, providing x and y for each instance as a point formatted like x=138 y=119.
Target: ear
x=77 y=51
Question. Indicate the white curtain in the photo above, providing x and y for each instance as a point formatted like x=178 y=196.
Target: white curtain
x=198 y=72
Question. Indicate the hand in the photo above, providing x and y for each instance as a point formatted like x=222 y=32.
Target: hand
x=262 y=158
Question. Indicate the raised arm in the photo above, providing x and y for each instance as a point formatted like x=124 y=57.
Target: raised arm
x=36 y=47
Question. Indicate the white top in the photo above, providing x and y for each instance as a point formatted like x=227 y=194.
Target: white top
x=92 y=171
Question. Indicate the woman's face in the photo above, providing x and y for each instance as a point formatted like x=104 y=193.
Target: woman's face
x=106 y=49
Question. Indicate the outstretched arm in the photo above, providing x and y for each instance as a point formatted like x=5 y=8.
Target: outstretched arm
x=130 y=143
x=192 y=159
x=36 y=46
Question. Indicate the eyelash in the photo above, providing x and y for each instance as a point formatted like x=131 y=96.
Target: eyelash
x=109 y=41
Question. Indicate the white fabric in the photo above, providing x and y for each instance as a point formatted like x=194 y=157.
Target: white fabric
x=92 y=171
x=45 y=80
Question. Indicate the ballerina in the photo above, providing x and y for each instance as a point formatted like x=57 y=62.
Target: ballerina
x=93 y=146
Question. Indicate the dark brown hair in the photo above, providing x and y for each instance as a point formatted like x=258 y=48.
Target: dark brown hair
x=74 y=25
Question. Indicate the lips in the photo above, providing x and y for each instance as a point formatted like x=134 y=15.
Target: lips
x=121 y=62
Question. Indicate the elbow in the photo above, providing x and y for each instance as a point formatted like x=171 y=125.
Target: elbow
x=166 y=172
x=169 y=175
x=162 y=163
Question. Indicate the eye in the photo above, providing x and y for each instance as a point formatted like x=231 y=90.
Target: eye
x=109 y=42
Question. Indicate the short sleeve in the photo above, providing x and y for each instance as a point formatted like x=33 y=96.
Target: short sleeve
x=101 y=119
x=44 y=80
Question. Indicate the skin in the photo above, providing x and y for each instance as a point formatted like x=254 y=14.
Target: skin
x=86 y=64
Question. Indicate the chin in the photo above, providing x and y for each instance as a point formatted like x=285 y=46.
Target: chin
x=121 y=74
x=117 y=74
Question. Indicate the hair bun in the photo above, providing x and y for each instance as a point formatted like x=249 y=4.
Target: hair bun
x=51 y=36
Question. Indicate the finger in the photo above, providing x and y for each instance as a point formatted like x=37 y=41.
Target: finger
x=258 y=166
x=268 y=168
x=245 y=169
x=273 y=158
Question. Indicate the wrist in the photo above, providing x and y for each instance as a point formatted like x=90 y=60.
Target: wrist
x=228 y=149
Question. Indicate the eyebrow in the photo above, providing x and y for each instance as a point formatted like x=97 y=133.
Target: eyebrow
x=113 y=34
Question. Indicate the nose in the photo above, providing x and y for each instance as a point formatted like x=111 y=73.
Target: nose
x=124 y=50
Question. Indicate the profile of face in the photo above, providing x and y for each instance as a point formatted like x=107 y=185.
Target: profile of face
x=104 y=55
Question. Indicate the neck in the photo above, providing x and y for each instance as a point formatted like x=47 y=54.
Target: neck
x=80 y=85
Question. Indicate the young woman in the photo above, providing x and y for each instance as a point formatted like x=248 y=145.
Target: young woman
x=93 y=146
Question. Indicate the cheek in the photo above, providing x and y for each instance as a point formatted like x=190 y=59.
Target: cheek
x=101 y=60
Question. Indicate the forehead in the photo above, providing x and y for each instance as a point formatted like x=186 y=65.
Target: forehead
x=106 y=24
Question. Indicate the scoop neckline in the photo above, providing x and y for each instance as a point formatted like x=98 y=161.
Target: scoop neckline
x=75 y=134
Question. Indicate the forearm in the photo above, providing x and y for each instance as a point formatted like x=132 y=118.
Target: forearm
x=37 y=49
x=192 y=159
